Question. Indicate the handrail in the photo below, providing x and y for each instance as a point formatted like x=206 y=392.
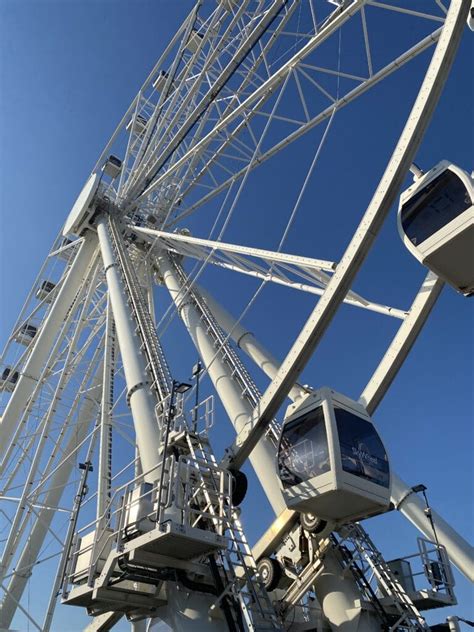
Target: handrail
x=158 y=365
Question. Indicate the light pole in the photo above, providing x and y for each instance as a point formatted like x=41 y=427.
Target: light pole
x=197 y=368
x=176 y=387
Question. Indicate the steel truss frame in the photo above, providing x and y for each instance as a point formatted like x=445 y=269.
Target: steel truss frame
x=221 y=110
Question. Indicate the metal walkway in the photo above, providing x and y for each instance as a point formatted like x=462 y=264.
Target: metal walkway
x=356 y=541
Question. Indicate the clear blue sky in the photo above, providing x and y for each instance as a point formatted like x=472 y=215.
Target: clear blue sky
x=68 y=71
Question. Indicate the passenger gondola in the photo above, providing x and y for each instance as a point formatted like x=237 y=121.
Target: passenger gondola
x=112 y=167
x=8 y=379
x=436 y=223
x=25 y=334
x=160 y=82
x=44 y=291
x=331 y=461
x=194 y=41
x=138 y=125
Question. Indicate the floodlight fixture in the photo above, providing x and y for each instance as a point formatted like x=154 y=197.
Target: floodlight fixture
x=181 y=387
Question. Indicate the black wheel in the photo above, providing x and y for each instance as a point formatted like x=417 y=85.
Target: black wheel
x=239 y=487
x=270 y=572
x=312 y=523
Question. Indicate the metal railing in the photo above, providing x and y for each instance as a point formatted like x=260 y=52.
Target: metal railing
x=185 y=499
x=157 y=362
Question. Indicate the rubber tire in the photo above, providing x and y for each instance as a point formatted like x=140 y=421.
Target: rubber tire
x=270 y=572
x=312 y=523
x=239 y=487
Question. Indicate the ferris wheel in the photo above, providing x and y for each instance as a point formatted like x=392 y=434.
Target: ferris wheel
x=109 y=480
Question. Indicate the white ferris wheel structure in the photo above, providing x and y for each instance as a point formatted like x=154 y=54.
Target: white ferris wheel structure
x=109 y=485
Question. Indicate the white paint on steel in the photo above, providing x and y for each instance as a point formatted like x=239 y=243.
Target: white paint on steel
x=237 y=407
x=402 y=343
x=409 y=504
x=141 y=400
x=43 y=341
x=107 y=149
x=247 y=342
x=339 y=595
x=357 y=250
x=79 y=210
x=460 y=552
x=43 y=518
x=104 y=474
x=307 y=268
x=266 y=88
x=268 y=255
x=25 y=501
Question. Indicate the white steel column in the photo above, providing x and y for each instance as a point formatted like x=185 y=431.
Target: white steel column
x=237 y=407
x=43 y=341
x=246 y=341
x=460 y=552
x=139 y=396
x=338 y=594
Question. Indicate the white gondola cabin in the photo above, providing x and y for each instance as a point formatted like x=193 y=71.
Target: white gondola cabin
x=436 y=223
x=139 y=125
x=331 y=461
x=68 y=253
x=44 y=291
x=8 y=379
x=194 y=41
x=112 y=167
x=25 y=334
x=160 y=82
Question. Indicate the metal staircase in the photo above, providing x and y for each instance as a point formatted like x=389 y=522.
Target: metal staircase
x=243 y=584
x=158 y=365
x=356 y=541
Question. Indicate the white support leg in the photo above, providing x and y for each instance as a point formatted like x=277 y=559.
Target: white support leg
x=408 y=503
x=140 y=398
x=338 y=595
x=237 y=408
x=246 y=341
